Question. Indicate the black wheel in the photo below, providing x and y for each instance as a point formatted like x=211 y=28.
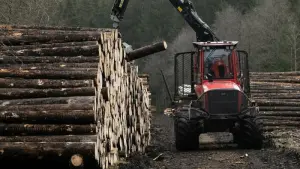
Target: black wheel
x=250 y=134
x=186 y=138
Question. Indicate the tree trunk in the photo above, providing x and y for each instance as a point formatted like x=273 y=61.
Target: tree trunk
x=56 y=51
x=49 y=139
x=46 y=59
x=42 y=107
x=52 y=45
x=55 y=38
x=146 y=50
x=17 y=93
x=44 y=83
x=49 y=100
x=48 y=116
x=45 y=129
x=47 y=74
x=38 y=66
x=44 y=150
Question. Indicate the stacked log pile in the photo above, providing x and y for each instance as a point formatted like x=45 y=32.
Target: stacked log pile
x=277 y=95
x=70 y=91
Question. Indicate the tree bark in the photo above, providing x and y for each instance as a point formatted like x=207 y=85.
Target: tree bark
x=46 y=129
x=275 y=73
x=281 y=123
x=48 y=116
x=274 y=91
x=49 y=100
x=280 y=113
x=46 y=59
x=52 y=45
x=17 y=93
x=276 y=80
x=64 y=28
x=44 y=150
x=55 y=38
x=279 y=108
x=276 y=103
x=90 y=66
x=42 y=107
x=49 y=139
x=47 y=74
x=274 y=128
x=44 y=83
x=146 y=50
x=56 y=51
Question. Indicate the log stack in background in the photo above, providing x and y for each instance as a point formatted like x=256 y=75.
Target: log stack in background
x=277 y=95
x=67 y=91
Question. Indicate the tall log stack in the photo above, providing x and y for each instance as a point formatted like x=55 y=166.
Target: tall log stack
x=277 y=95
x=70 y=92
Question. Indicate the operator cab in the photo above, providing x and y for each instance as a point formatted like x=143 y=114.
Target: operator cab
x=217 y=61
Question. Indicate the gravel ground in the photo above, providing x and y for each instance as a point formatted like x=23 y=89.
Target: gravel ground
x=215 y=158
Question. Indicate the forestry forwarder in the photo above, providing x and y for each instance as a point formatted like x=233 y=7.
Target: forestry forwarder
x=212 y=87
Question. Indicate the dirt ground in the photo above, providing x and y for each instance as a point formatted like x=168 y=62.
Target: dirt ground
x=215 y=158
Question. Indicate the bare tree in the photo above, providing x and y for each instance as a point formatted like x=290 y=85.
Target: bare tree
x=227 y=24
x=293 y=35
x=38 y=12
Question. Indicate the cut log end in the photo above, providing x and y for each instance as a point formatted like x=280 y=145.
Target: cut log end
x=146 y=50
x=77 y=160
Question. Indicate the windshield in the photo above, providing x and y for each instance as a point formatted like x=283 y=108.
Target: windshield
x=217 y=63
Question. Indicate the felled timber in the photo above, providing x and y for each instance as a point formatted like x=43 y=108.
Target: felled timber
x=71 y=94
x=277 y=95
x=146 y=50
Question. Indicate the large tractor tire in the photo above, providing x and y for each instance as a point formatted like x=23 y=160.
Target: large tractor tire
x=186 y=136
x=250 y=134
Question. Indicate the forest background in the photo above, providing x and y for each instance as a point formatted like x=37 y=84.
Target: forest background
x=267 y=29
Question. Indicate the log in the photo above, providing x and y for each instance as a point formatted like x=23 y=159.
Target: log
x=49 y=139
x=46 y=150
x=36 y=32
x=275 y=91
x=276 y=128
x=280 y=113
x=292 y=119
x=76 y=161
x=275 y=73
x=279 y=108
x=55 y=38
x=49 y=100
x=64 y=28
x=47 y=74
x=52 y=45
x=146 y=50
x=48 y=116
x=44 y=83
x=276 y=103
x=45 y=129
x=46 y=59
x=92 y=50
x=50 y=66
x=42 y=107
x=18 y=93
x=276 y=80
x=277 y=95
x=280 y=123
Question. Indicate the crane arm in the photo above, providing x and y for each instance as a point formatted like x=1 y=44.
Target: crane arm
x=188 y=12
x=117 y=12
x=185 y=8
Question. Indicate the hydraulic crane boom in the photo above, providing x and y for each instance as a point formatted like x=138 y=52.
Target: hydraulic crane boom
x=185 y=8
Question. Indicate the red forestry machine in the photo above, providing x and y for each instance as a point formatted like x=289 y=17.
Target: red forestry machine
x=212 y=88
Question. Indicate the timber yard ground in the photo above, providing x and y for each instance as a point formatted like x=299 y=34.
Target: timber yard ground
x=221 y=158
